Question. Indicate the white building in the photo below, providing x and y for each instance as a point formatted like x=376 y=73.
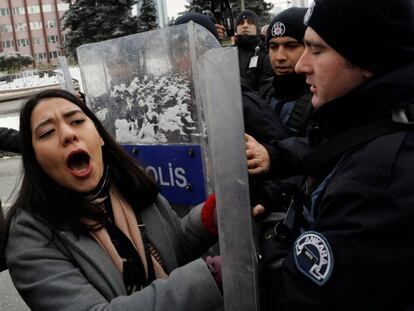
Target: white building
x=33 y=27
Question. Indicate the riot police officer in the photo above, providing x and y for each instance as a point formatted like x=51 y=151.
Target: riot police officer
x=353 y=249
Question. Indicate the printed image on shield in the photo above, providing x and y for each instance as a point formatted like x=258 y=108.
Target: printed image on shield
x=154 y=110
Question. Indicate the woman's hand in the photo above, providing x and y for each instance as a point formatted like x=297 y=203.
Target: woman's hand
x=214 y=265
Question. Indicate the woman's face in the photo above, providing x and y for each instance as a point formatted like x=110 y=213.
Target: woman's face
x=67 y=144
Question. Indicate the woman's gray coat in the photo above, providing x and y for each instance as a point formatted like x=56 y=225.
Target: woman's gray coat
x=70 y=273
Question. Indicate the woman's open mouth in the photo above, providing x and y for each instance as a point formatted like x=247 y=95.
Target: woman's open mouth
x=79 y=164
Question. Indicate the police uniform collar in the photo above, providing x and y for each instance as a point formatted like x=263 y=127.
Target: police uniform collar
x=358 y=117
x=248 y=41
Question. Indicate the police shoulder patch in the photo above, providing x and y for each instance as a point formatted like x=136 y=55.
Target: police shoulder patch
x=313 y=257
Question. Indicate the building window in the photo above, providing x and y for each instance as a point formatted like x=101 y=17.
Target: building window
x=33 y=9
x=53 y=54
x=7 y=44
x=18 y=10
x=6 y=28
x=4 y=12
x=51 y=23
x=53 y=39
x=63 y=7
x=36 y=25
x=47 y=8
x=37 y=41
x=40 y=57
x=23 y=42
x=20 y=26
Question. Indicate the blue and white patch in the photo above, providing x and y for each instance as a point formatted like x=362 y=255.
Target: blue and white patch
x=313 y=257
x=278 y=29
x=308 y=13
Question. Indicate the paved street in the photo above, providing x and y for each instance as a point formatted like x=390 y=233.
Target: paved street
x=9 y=298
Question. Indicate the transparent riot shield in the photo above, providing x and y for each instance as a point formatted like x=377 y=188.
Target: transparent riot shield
x=224 y=117
x=167 y=95
x=143 y=89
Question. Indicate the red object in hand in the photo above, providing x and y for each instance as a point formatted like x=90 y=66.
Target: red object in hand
x=209 y=216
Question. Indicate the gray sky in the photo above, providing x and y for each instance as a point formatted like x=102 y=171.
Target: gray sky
x=175 y=6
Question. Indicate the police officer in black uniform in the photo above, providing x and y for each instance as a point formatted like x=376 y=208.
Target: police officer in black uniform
x=254 y=61
x=287 y=92
x=349 y=245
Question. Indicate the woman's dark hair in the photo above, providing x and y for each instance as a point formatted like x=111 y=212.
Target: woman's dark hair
x=60 y=207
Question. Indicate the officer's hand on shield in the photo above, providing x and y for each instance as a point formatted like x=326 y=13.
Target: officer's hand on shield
x=258 y=160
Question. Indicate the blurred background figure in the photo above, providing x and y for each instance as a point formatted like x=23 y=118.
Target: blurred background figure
x=253 y=59
x=263 y=32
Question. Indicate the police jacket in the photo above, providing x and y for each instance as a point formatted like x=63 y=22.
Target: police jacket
x=290 y=97
x=260 y=121
x=355 y=250
x=252 y=72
